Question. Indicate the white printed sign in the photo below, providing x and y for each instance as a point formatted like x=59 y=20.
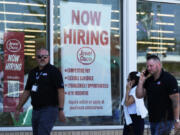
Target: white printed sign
x=85 y=40
x=1 y=37
x=13 y=88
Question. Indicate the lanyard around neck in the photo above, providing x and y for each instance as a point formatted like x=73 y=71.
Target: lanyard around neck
x=38 y=75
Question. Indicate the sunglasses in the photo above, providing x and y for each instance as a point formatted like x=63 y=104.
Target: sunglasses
x=42 y=56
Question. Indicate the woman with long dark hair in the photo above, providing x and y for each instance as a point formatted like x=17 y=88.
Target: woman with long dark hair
x=134 y=109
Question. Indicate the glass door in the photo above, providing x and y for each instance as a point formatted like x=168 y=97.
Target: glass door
x=158 y=32
x=83 y=118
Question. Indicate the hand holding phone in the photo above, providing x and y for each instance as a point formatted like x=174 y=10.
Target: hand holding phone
x=146 y=73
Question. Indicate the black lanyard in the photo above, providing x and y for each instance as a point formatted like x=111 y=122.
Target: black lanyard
x=38 y=75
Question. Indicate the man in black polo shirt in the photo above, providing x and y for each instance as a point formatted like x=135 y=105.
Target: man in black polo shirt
x=162 y=93
x=45 y=86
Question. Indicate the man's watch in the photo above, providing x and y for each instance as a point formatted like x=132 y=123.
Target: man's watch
x=177 y=120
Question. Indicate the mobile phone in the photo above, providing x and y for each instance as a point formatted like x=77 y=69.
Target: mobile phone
x=146 y=72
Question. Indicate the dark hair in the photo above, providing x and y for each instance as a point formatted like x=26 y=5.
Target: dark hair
x=152 y=56
x=134 y=76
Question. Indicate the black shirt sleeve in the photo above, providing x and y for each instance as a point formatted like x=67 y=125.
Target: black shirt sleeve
x=57 y=79
x=172 y=85
x=29 y=83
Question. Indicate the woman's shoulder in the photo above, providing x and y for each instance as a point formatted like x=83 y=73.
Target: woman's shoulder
x=133 y=90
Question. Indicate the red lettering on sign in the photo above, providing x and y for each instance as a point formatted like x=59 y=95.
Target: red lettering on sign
x=82 y=37
x=86 y=17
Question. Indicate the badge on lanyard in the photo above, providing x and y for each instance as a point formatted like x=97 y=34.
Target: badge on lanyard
x=34 y=88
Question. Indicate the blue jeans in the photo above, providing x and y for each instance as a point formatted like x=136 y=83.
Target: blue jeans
x=43 y=120
x=161 y=128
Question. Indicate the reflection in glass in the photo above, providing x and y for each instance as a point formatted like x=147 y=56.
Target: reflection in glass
x=115 y=119
x=29 y=17
x=158 y=32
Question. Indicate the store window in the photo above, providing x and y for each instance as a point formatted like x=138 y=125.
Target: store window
x=158 y=33
x=87 y=50
x=22 y=31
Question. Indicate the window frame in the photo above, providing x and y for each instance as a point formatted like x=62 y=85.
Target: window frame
x=111 y=127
